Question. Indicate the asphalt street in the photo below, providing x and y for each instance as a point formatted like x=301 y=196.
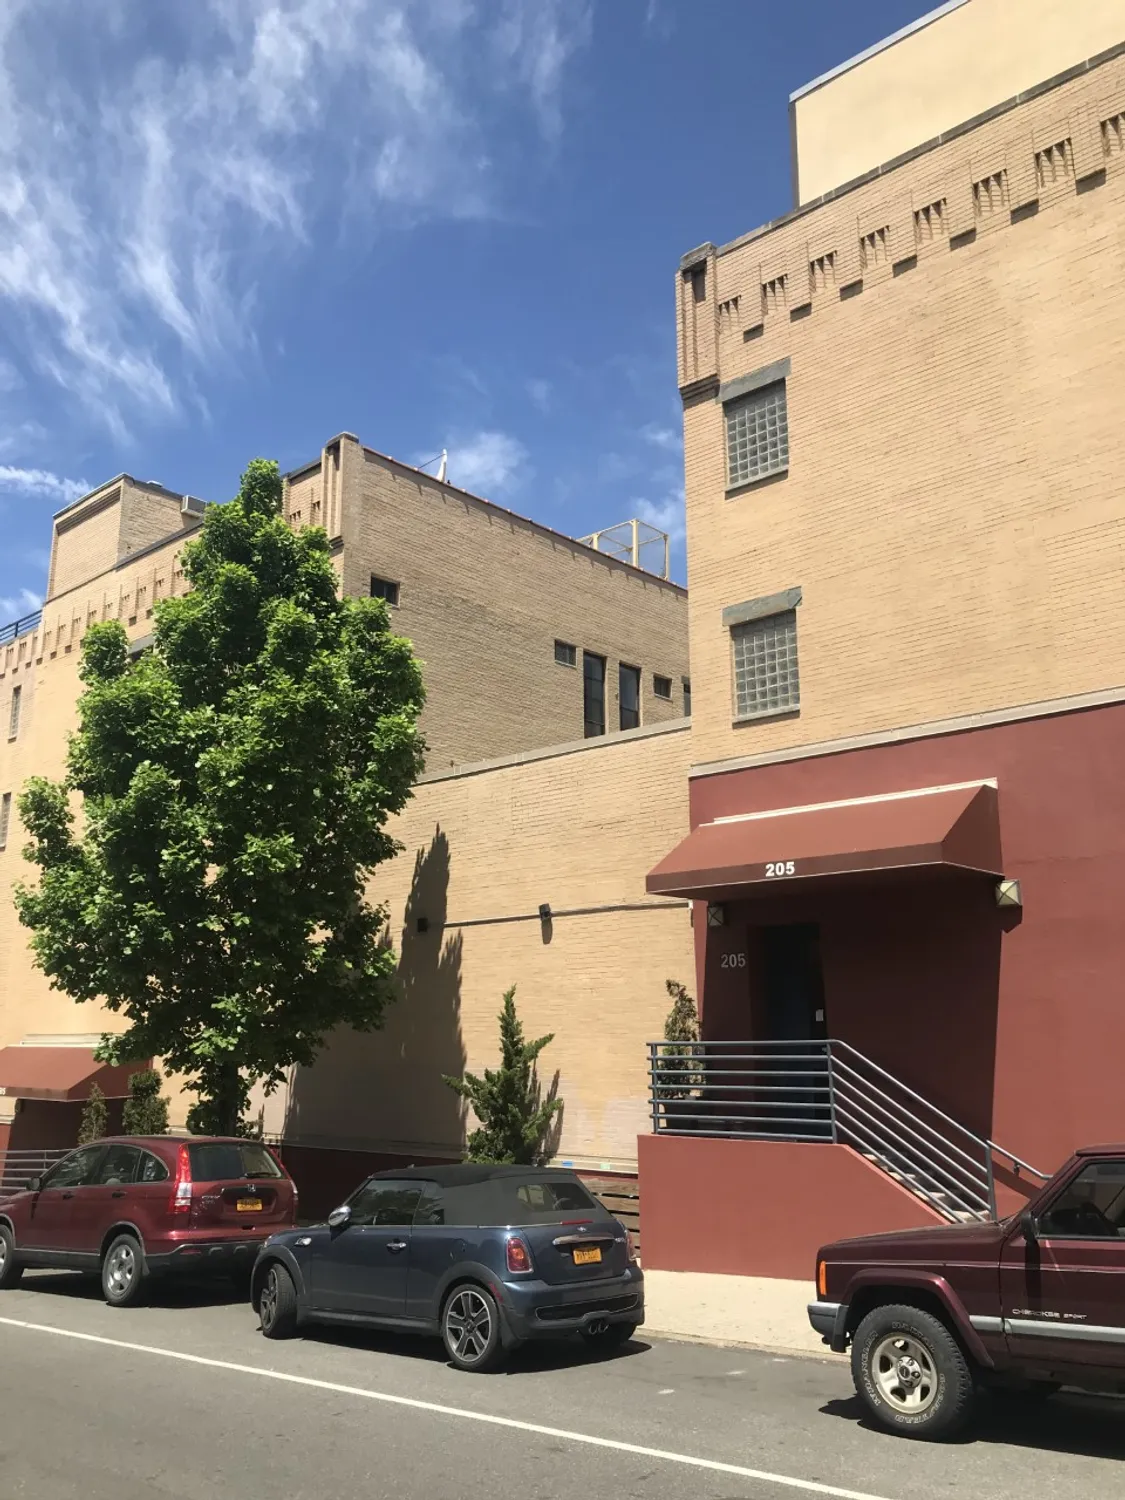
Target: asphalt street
x=184 y=1398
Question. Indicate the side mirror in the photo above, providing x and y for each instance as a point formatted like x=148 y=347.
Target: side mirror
x=1028 y=1227
x=339 y=1217
x=34 y=1184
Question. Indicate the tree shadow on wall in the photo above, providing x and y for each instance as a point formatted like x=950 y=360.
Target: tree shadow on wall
x=384 y=1088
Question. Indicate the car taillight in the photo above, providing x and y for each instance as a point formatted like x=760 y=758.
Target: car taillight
x=630 y=1244
x=519 y=1256
x=181 y=1192
x=822 y=1279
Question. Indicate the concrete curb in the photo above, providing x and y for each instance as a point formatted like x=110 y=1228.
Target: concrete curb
x=667 y=1336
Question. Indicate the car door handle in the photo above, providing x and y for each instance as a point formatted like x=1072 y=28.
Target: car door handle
x=68 y=1195
x=118 y=1194
x=396 y=1245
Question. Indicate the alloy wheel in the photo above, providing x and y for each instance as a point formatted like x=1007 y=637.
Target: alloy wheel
x=267 y=1305
x=3 y=1252
x=121 y=1269
x=468 y=1325
x=904 y=1373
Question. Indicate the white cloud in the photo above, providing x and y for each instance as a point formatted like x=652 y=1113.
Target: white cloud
x=157 y=163
x=10 y=377
x=15 y=606
x=540 y=393
x=667 y=438
x=41 y=483
x=666 y=515
x=488 y=463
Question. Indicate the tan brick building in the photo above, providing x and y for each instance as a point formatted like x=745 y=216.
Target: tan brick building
x=528 y=638
x=906 y=534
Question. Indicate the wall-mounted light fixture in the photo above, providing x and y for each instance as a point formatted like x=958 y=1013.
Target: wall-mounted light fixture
x=716 y=915
x=1008 y=893
x=545 y=912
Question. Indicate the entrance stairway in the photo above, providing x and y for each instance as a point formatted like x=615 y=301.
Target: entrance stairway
x=828 y=1091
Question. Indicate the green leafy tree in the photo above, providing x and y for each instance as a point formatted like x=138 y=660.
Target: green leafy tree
x=515 y=1119
x=95 y=1117
x=675 y=1075
x=146 y=1109
x=236 y=782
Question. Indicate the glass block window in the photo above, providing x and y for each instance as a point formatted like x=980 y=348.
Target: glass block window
x=757 y=435
x=565 y=654
x=5 y=817
x=14 y=713
x=765 y=665
x=662 y=687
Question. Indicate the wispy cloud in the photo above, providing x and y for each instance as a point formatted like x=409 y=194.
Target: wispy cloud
x=540 y=392
x=14 y=606
x=666 y=438
x=666 y=515
x=40 y=484
x=487 y=463
x=157 y=165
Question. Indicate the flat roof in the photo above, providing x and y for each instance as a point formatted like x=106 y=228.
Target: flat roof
x=888 y=41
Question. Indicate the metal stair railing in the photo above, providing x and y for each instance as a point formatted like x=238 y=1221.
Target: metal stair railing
x=17 y=1168
x=827 y=1090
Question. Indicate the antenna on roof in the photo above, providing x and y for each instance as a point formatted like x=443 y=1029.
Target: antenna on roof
x=444 y=466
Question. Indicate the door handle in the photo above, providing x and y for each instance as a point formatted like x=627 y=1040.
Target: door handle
x=118 y=1194
x=396 y=1245
x=68 y=1195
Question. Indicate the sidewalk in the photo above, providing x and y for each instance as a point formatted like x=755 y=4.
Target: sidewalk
x=763 y=1313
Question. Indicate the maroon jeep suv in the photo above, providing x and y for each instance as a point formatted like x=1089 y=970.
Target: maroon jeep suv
x=136 y=1206
x=1026 y=1305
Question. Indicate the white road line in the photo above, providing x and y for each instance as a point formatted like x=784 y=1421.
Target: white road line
x=808 y=1486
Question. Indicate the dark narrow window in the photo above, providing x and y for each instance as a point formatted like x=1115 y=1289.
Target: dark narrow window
x=687 y=699
x=383 y=588
x=629 y=695
x=593 y=693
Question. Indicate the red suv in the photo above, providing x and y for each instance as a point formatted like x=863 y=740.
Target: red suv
x=134 y=1206
x=1026 y=1305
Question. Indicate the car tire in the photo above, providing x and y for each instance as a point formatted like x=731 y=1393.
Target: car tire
x=277 y=1303
x=911 y=1373
x=471 y=1329
x=613 y=1336
x=11 y=1271
x=123 y=1272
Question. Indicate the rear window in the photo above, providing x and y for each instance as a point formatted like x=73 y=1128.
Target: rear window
x=543 y=1202
x=226 y=1161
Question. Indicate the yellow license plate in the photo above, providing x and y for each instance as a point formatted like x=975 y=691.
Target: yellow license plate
x=249 y=1205
x=588 y=1257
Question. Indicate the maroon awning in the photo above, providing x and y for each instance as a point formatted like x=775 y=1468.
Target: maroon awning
x=65 y=1073
x=955 y=828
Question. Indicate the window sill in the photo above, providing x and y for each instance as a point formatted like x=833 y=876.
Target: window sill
x=734 y=491
x=766 y=715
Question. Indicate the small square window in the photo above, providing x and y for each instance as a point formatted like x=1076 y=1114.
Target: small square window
x=383 y=588
x=565 y=654
x=662 y=687
x=757 y=435
x=766 y=679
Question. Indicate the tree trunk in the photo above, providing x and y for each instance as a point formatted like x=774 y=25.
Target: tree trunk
x=227 y=1099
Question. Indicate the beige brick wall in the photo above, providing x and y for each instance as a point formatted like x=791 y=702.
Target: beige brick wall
x=85 y=541
x=44 y=663
x=953 y=509
x=940 y=76
x=574 y=830
x=483 y=595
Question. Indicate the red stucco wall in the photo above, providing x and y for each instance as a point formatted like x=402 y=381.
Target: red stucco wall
x=760 y=1208
x=1013 y=1022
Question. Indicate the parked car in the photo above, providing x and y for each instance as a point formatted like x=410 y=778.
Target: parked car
x=484 y=1257
x=1036 y=1301
x=133 y=1207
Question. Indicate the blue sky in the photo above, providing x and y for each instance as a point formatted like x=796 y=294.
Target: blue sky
x=236 y=227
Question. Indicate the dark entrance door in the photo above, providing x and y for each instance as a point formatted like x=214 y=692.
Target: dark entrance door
x=794 y=983
x=793 y=986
